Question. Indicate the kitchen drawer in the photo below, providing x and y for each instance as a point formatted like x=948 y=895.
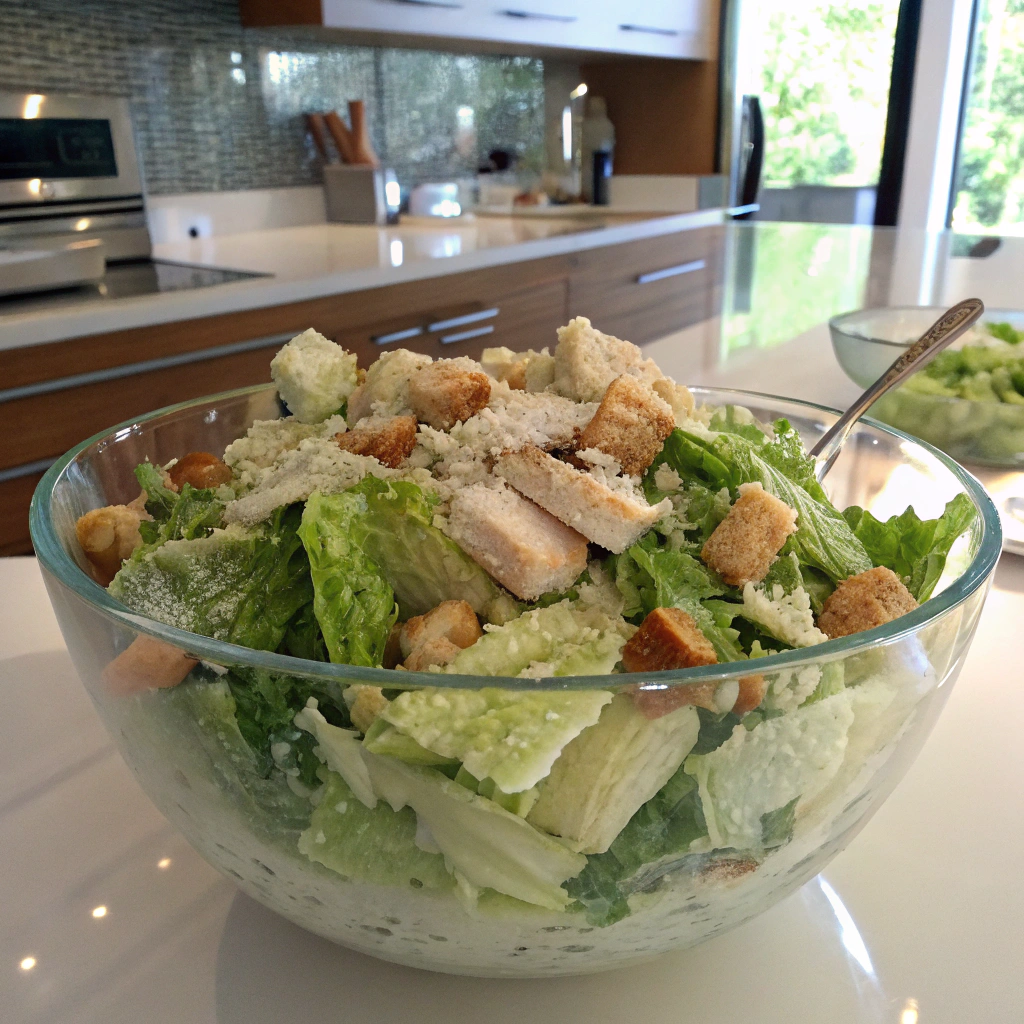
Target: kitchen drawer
x=644 y=290
x=526 y=318
x=46 y=425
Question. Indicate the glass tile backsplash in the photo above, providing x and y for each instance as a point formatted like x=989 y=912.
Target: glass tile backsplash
x=219 y=107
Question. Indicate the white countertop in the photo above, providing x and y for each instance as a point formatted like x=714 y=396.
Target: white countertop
x=919 y=919
x=332 y=259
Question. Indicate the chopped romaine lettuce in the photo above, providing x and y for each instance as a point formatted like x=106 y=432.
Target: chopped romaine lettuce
x=512 y=737
x=340 y=751
x=423 y=566
x=375 y=845
x=562 y=640
x=354 y=603
x=915 y=549
x=242 y=586
x=485 y=844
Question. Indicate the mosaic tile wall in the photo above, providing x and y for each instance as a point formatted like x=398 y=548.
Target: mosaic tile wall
x=219 y=107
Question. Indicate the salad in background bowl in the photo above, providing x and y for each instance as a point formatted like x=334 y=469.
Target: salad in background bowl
x=530 y=666
x=968 y=401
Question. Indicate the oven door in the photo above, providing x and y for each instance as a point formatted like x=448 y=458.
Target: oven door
x=60 y=149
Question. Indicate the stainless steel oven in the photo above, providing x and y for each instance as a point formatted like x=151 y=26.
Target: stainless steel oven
x=68 y=172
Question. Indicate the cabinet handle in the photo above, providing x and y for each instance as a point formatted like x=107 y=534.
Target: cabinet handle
x=679 y=268
x=478 y=332
x=650 y=30
x=565 y=19
x=387 y=339
x=461 y=321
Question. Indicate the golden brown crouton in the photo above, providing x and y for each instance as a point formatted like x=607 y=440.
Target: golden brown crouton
x=390 y=440
x=365 y=703
x=864 y=601
x=109 y=535
x=452 y=620
x=669 y=638
x=752 y=691
x=444 y=393
x=630 y=424
x=147 y=664
x=523 y=547
x=200 y=469
x=746 y=541
x=439 y=651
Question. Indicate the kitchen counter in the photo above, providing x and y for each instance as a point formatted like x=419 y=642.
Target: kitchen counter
x=918 y=919
x=328 y=259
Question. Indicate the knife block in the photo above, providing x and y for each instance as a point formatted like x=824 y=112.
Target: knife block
x=355 y=195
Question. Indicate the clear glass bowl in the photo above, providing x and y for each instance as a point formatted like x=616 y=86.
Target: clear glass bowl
x=898 y=678
x=867 y=342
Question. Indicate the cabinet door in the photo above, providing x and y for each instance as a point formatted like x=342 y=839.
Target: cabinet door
x=661 y=28
x=644 y=290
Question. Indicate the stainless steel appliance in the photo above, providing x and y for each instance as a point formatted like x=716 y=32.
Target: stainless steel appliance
x=69 y=174
x=68 y=171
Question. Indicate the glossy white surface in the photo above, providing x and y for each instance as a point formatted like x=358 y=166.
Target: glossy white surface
x=315 y=260
x=918 y=920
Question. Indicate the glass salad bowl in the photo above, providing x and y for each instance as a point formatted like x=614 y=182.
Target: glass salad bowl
x=988 y=433
x=757 y=813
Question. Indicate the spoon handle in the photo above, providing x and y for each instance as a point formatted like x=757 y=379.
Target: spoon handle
x=946 y=329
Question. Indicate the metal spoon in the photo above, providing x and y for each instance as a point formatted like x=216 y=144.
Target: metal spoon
x=947 y=328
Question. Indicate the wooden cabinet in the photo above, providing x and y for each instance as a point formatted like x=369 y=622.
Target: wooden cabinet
x=655 y=28
x=53 y=396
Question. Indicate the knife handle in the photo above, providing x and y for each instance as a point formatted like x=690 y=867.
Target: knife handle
x=342 y=137
x=360 y=136
x=317 y=128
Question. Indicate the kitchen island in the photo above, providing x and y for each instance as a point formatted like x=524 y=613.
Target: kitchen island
x=919 y=919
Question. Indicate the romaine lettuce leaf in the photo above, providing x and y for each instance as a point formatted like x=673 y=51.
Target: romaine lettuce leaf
x=823 y=538
x=242 y=586
x=375 y=845
x=353 y=602
x=512 y=737
x=485 y=844
x=915 y=549
x=422 y=565
x=561 y=639
x=183 y=515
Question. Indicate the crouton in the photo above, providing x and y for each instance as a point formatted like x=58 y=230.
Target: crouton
x=676 y=396
x=454 y=621
x=147 y=664
x=440 y=651
x=445 y=393
x=200 y=469
x=385 y=390
x=864 y=601
x=314 y=376
x=630 y=424
x=522 y=371
x=752 y=691
x=612 y=518
x=587 y=361
x=390 y=441
x=365 y=703
x=109 y=535
x=523 y=547
x=745 y=543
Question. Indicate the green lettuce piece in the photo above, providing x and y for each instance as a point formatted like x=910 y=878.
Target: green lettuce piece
x=915 y=549
x=382 y=738
x=198 y=719
x=177 y=515
x=823 y=538
x=340 y=750
x=652 y=844
x=242 y=586
x=760 y=770
x=512 y=737
x=375 y=845
x=353 y=602
x=562 y=638
x=485 y=844
x=160 y=499
x=422 y=565
x=517 y=803
x=1005 y=332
